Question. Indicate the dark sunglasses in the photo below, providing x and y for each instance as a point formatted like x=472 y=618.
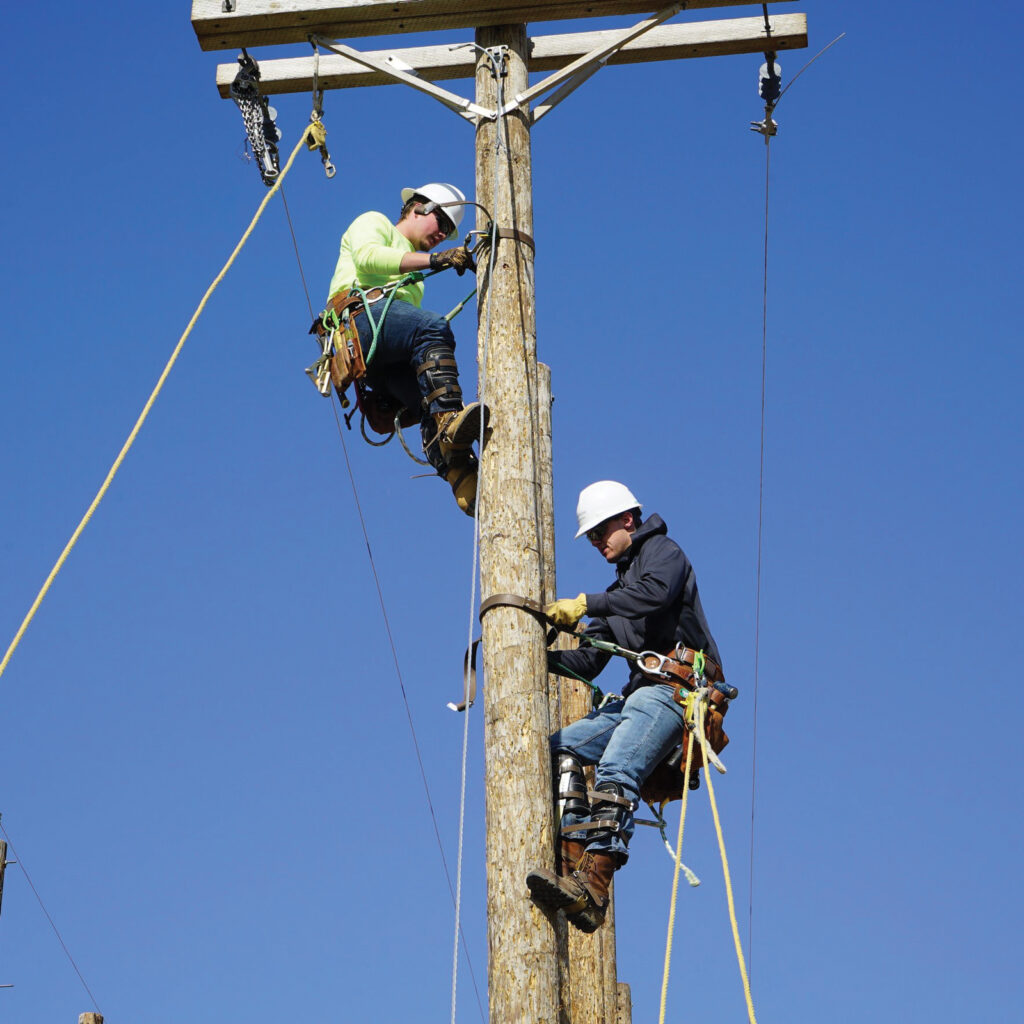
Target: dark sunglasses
x=599 y=531
x=444 y=223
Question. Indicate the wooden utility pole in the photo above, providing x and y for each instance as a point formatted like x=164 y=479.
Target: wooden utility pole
x=540 y=972
x=90 y=1018
x=523 y=968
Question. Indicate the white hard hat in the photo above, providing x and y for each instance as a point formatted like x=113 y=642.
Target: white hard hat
x=441 y=193
x=601 y=501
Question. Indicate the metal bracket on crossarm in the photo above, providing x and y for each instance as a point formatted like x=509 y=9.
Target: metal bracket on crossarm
x=565 y=81
x=472 y=112
x=573 y=75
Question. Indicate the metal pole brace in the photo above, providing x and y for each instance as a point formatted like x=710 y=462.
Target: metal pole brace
x=472 y=112
x=498 y=56
x=578 y=71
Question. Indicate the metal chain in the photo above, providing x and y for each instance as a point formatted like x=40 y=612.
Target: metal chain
x=260 y=130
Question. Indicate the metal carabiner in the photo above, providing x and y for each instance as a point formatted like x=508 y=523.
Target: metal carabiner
x=656 y=671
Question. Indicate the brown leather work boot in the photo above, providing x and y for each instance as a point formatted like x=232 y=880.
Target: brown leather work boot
x=457 y=429
x=570 y=852
x=583 y=894
x=462 y=479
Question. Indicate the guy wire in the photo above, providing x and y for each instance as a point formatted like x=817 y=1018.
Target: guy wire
x=760 y=545
x=56 y=931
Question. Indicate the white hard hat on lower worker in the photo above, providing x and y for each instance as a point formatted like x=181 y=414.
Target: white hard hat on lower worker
x=601 y=501
x=441 y=193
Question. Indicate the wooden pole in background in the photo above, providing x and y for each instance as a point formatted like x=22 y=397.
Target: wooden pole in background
x=523 y=971
x=624 y=1005
x=586 y=963
x=3 y=865
x=90 y=1018
x=591 y=967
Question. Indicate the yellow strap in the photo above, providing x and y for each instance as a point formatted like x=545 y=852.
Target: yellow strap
x=688 y=712
x=145 y=413
x=725 y=871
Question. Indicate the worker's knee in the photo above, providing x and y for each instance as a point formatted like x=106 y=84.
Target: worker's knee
x=433 y=329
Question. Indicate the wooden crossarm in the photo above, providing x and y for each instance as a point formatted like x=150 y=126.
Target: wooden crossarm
x=547 y=53
x=271 y=22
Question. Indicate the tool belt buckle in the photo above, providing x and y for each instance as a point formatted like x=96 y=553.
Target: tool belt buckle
x=652 y=664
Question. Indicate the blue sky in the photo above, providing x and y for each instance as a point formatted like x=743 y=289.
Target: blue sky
x=208 y=770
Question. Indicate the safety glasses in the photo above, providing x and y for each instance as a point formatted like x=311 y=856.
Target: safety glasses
x=444 y=223
x=599 y=532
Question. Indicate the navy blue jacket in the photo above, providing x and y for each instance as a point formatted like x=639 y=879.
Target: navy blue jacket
x=652 y=606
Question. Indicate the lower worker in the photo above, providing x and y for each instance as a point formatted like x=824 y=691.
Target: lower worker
x=413 y=369
x=653 y=605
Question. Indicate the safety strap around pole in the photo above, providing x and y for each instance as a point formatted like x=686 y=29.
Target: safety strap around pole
x=526 y=604
x=517 y=236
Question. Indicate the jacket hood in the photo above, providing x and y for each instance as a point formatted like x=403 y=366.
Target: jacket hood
x=650 y=527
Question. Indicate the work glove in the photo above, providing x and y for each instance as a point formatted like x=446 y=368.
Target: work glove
x=460 y=258
x=567 y=612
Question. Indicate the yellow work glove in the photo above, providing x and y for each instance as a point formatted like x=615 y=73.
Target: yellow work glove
x=460 y=258
x=567 y=612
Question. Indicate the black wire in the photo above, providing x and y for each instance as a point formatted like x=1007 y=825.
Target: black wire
x=295 y=245
x=39 y=899
x=387 y=629
x=760 y=536
x=809 y=63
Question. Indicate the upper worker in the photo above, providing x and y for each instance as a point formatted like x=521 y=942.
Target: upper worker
x=414 y=357
x=653 y=605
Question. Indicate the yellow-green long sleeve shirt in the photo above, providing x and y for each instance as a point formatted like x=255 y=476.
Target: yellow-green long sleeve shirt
x=371 y=253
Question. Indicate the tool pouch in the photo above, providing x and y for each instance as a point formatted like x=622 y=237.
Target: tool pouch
x=379 y=407
x=345 y=362
x=666 y=781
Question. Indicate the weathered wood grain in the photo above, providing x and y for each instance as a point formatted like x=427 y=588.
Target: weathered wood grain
x=523 y=969
x=546 y=53
x=271 y=22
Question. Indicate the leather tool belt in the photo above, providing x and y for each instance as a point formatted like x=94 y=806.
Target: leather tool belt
x=711 y=670
x=346 y=360
x=377 y=404
x=676 y=669
x=666 y=780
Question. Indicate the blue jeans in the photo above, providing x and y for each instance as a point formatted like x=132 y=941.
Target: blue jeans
x=626 y=740
x=407 y=333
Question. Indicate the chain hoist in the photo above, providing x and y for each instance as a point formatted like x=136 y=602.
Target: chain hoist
x=258 y=116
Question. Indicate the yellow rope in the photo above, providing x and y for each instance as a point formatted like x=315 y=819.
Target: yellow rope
x=725 y=871
x=145 y=412
x=675 y=875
